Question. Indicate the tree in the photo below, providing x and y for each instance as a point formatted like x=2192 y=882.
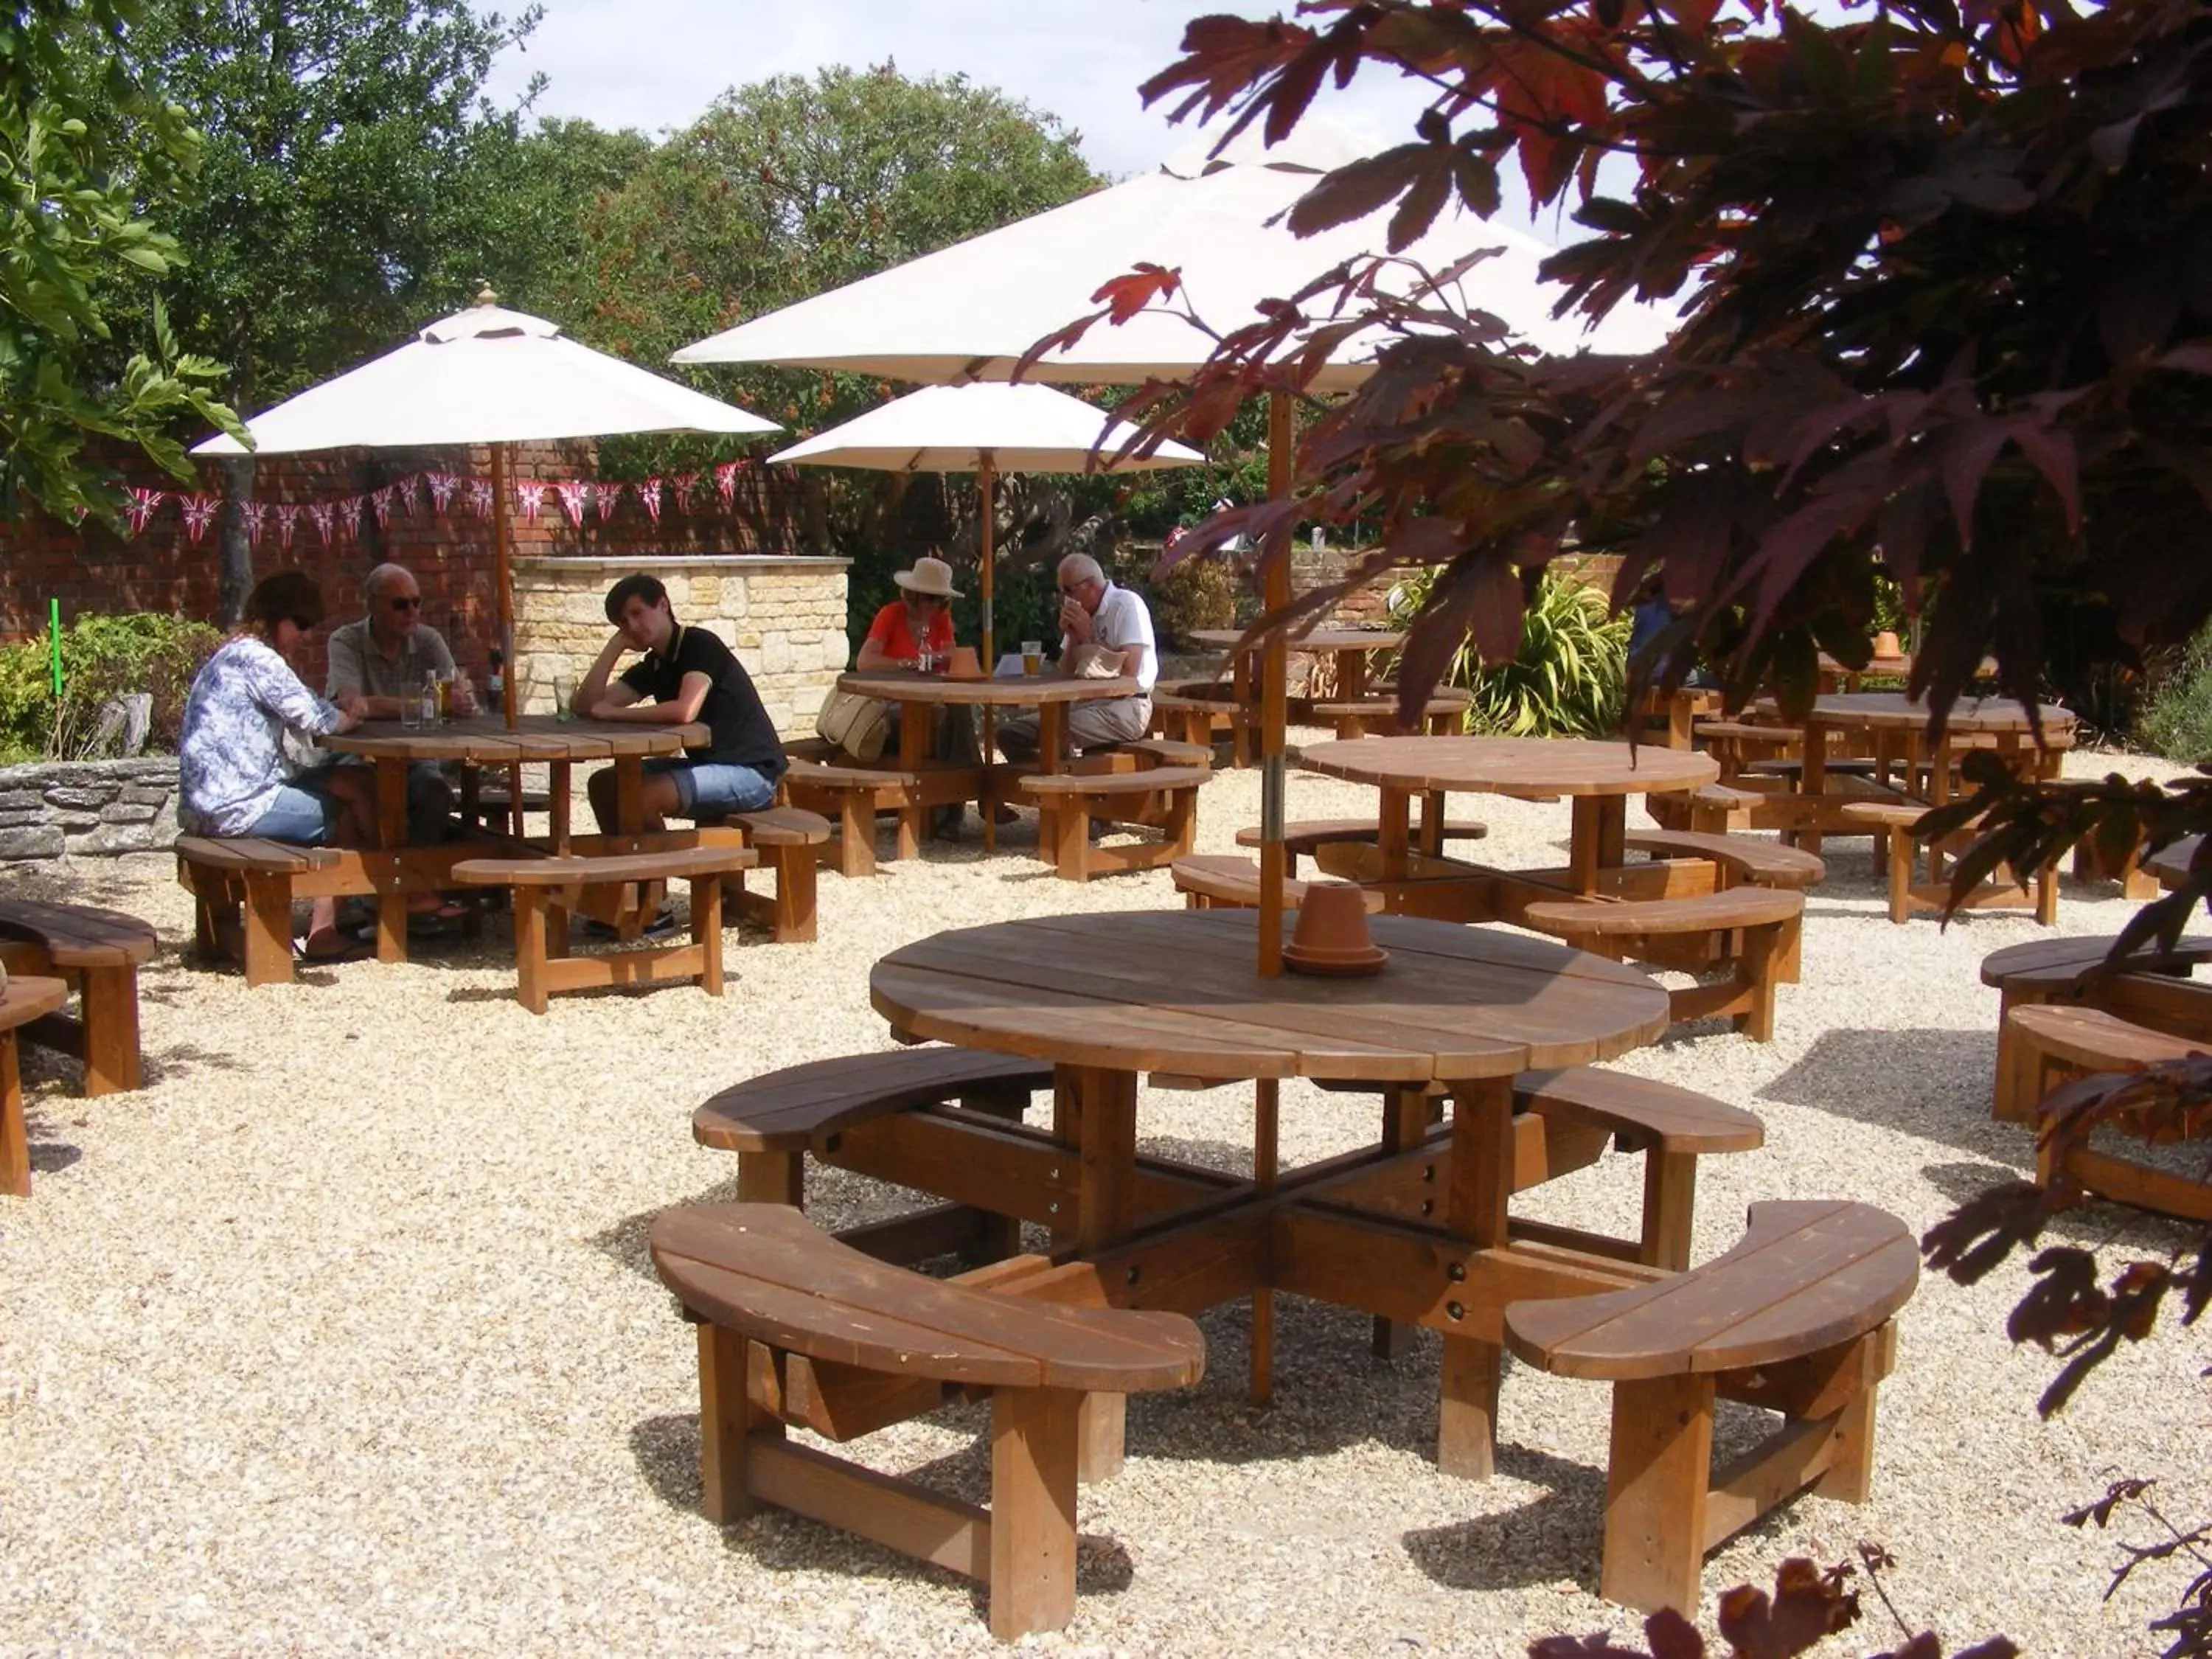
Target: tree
x=95 y=156
x=790 y=187
x=1952 y=270
x=337 y=206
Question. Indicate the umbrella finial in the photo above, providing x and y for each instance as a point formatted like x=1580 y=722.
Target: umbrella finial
x=485 y=296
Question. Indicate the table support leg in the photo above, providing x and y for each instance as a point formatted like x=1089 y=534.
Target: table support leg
x=15 y=1136
x=1405 y=1121
x=1812 y=779
x=1392 y=837
x=557 y=790
x=391 y=835
x=1432 y=823
x=1266 y=1104
x=1475 y=1208
x=1106 y=1110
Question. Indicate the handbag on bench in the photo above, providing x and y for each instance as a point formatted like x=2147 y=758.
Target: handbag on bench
x=858 y=726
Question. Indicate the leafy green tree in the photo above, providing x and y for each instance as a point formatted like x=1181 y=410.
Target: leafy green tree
x=532 y=197
x=337 y=205
x=791 y=186
x=95 y=155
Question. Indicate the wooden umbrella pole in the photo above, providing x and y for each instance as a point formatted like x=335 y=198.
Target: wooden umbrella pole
x=505 y=578
x=1275 y=659
x=987 y=482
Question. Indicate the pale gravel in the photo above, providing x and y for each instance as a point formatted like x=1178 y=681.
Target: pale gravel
x=340 y=1335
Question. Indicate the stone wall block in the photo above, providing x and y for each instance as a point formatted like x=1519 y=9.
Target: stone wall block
x=21 y=801
x=141 y=794
x=82 y=796
x=74 y=820
x=128 y=813
x=46 y=841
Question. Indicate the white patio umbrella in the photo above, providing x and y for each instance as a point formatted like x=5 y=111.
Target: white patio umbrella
x=986 y=429
x=970 y=312
x=486 y=375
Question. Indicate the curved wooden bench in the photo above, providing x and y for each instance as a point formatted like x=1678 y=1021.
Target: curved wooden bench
x=1740 y=861
x=100 y=951
x=1168 y=751
x=852 y=794
x=1797 y=1318
x=1309 y=836
x=1898 y=823
x=1444 y=712
x=1222 y=881
x=224 y=873
x=1766 y=919
x=22 y=1000
x=771 y=1291
x=2066 y=971
x=1192 y=711
x=548 y=888
x=773 y=1120
x=1164 y=796
x=789 y=838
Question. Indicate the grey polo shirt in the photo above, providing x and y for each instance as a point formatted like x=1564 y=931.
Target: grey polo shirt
x=357 y=666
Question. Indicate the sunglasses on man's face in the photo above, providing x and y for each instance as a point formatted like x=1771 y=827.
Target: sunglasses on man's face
x=405 y=603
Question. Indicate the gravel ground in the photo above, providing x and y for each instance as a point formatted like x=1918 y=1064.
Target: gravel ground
x=341 y=1336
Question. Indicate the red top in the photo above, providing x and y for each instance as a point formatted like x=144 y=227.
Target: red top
x=890 y=633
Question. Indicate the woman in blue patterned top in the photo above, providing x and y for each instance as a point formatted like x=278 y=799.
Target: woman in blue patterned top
x=234 y=778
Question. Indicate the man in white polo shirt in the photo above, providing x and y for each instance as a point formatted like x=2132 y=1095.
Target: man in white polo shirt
x=1095 y=612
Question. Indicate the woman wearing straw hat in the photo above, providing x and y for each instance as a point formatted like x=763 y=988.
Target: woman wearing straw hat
x=915 y=631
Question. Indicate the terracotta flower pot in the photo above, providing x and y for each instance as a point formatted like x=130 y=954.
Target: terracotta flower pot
x=1332 y=936
x=1885 y=645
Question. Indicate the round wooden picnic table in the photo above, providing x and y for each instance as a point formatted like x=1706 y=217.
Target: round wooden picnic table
x=1105 y=997
x=27 y=997
x=485 y=740
x=1050 y=694
x=1347 y=647
x=1597 y=777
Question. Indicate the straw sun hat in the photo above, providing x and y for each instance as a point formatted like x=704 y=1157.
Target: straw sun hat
x=928 y=576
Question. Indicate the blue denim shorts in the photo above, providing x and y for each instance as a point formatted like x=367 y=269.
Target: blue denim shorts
x=713 y=787
x=302 y=817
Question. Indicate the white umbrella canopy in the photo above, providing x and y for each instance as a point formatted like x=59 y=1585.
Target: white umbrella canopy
x=969 y=311
x=985 y=429
x=486 y=375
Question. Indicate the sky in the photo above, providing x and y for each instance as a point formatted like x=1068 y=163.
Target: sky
x=657 y=63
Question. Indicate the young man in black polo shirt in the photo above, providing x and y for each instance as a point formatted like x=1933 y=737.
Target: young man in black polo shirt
x=690 y=674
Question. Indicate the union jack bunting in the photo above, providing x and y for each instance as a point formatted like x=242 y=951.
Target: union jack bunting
x=381 y=500
x=255 y=516
x=529 y=496
x=288 y=520
x=441 y=489
x=142 y=507
x=607 y=495
x=726 y=481
x=649 y=493
x=199 y=512
x=572 y=494
x=685 y=483
x=480 y=497
x=322 y=513
x=348 y=515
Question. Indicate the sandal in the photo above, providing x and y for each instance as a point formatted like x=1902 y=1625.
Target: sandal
x=346 y=949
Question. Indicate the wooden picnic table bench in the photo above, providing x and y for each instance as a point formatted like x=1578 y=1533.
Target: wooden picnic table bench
x=1224 y=881
x=789 y=1319
x=1307 y=836
x=101 y=952
x=2067 y=971
x=1765 y=919
x=22 y=999
x=1795 y=1318
x=1165 y=797
x=226 y=873
x=789 y=840
x=546 y=888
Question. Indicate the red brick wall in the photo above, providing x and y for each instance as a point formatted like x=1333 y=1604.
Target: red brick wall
x=96 y=570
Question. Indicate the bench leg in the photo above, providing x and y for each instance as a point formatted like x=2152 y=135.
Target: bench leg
x=15 y=1136
x=856 y=833
x=2046 y=896
x=1761 y=950
x=1670 y=1198
x=1481 y=1176
x=1405 y=1121
x=530 y=976
x=1070 y=833
x=1033 y=1456
x=268 y=930
x=707 y=931
x=794 y=894
x=1655 y=1493
x=909 y=841
x=109 y=1000
x=1849 y=1476
x=726 y=1416
x=772 y=1178
x=1900 y=875
x=1789 y=952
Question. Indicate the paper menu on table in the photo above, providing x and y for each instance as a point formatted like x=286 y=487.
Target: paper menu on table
x=1009 y=668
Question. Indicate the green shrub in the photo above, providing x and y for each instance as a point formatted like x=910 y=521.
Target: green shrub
x=102 y=657
x=1570 y=677
x=2176 y=720
x=1197 y=593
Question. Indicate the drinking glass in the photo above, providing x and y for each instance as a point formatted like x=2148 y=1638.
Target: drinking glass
x=412 y=699
x=1033 y=657
x=564 y=696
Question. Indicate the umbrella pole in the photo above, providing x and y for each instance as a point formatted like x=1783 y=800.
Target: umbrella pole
x=1273 y=672
x=987 y=479
x=504 y=577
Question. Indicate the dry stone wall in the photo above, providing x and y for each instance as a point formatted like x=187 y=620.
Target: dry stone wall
x=784 y=617
x=87 y=807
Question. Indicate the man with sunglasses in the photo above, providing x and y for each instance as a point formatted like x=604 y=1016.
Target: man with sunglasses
x=1095 y=613
x=385 y=657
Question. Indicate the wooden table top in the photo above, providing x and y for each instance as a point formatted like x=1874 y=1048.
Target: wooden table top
x=904 y=685
x=1321 y=639
x=28 y=996
x=1894 y=711
x=1180 y=991
x=1511 y=766
x=485 y=740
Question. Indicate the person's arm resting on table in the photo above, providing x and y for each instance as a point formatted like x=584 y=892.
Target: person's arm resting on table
x=348 y=678
x=597 y=700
